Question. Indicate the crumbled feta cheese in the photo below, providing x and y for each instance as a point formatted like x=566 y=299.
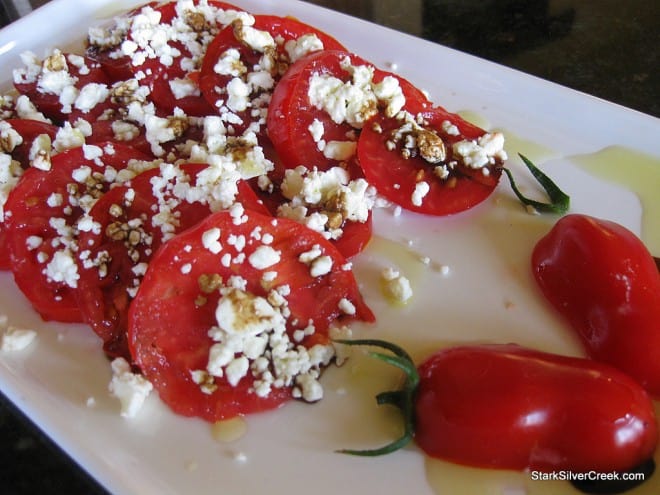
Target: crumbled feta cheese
x=242 y=313
x=339 y=150
x=67 y=137
x=357 y=100
x=396 y=285
x=346 y=306
x=320 y=266
x=63 y=268
x=230 y=64
x=264 y=257
x=130 y=388
x=211 y=240
x=305 y=44
x=91 y=95
x=256 y=39
x=183 y=87
x=39 y=154
x=421 y=190
x=481 y=152
x=238 y=95
x=10 y=172
x=16 y=339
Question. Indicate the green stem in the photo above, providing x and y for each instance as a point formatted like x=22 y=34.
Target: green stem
x=559 y=201
x=403 y=399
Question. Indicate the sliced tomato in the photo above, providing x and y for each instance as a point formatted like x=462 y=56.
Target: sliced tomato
x=133 y=221
x=355 y=234
x=185 y=47
x=41 y=230
x=116 y=65
x=114 y=255
x=170 y=318
x=159 y=74
x=355 y=238
x=81 y=69
x=214 y=85
x=29 y=131
x=396 y=176
x=102 y=131
x=291 y=114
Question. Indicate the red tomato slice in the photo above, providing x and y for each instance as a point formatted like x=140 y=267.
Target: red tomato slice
x=355 y=234
x=112 y=255
x=111 y=265
x=355 y=238
x=116 y=65
x=396 y=177
x=291 y=113
x=29 y=131
x=41 y=235
x=102 y=131
x=159 y=75
x=213 y=84
x=170 y=318
x=185 y=45
x=82 y=71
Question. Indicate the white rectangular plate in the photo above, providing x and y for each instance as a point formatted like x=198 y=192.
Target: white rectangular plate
x=61 y=381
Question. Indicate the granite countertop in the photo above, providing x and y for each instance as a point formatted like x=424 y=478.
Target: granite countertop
x=606 y=48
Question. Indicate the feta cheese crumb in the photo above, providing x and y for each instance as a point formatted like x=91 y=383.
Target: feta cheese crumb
x=396 y=285
x=421 y=190
x=347 y=307
x=131 y=389
x=210 y=240
x=300 y=47
x=16 y=339
x=264 y=257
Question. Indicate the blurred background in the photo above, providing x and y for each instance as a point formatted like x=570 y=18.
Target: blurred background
x=608 y=48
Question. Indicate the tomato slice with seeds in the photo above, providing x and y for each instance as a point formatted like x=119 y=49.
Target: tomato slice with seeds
x=170 y=318
x=133 y=220
x=291 y=114
x=41 y=235
x=250 y=61
x=396 y=176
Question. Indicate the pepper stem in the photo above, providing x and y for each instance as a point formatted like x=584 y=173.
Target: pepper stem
x=402 y=399
x=559 y=201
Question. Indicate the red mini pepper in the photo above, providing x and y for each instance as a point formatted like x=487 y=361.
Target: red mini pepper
x=509 y=407
x=603 y=280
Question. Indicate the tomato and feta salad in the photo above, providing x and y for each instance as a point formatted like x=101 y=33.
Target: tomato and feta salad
x=178 y=112
x=194 y=185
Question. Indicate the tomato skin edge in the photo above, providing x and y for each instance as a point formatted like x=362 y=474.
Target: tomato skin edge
x=396 y=177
